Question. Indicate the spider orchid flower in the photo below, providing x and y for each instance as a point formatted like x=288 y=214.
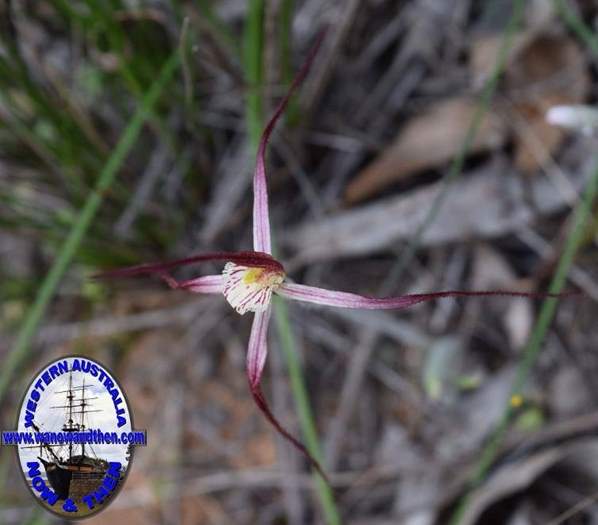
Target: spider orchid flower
x=250 y=278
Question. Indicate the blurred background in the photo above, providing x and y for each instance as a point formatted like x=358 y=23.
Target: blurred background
x=415 y=158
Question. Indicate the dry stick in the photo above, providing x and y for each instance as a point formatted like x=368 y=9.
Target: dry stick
x=185 y=66
x=182 y=315
x=366 y=344
x=575 y=509
x=581 y=278
x=314 y=86
x=349 y=393
x=388 y=82
x=223 y=51
x=157 y=167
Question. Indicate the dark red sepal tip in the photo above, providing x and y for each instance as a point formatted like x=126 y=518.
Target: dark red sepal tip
x=246 y=258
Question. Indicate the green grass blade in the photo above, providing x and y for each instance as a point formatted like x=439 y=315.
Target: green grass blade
x=306 y=419
x=252 y=61
x=225 y=36
x=581 y=216
x=87 y=214
x=102 y=15
x=577 y=26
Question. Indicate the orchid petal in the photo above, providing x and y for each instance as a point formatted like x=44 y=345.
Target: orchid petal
x=256 y=358
x=257 y=349
x=261 y=216
x=311 y=294
x=208 y=284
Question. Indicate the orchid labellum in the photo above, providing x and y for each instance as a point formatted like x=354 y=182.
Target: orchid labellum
x=250 y=278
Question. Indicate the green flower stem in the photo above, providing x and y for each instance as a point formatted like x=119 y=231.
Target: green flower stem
x=306 y=419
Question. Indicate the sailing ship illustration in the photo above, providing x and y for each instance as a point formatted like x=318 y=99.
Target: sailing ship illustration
x=73 y=469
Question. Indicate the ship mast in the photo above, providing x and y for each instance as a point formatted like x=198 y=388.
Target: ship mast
x=82 y=424
x=70 y=425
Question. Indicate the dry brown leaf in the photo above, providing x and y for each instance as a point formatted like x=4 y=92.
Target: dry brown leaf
x=485 y=51
x=548 y=71
x=543 y=70
x=427 y=141
x=486 y=43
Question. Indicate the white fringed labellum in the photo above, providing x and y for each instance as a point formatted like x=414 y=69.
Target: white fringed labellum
x=249 y=289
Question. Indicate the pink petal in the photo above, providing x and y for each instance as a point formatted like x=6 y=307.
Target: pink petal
x=257 y=349
x=256 y=358
x=261 y=216
x=252 y=259
x=209 y=284
x=311 y=294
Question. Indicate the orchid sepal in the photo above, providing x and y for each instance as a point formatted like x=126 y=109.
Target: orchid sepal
x=248 y=258
x=262 y=241
x=257 y=352
x=325 y=297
